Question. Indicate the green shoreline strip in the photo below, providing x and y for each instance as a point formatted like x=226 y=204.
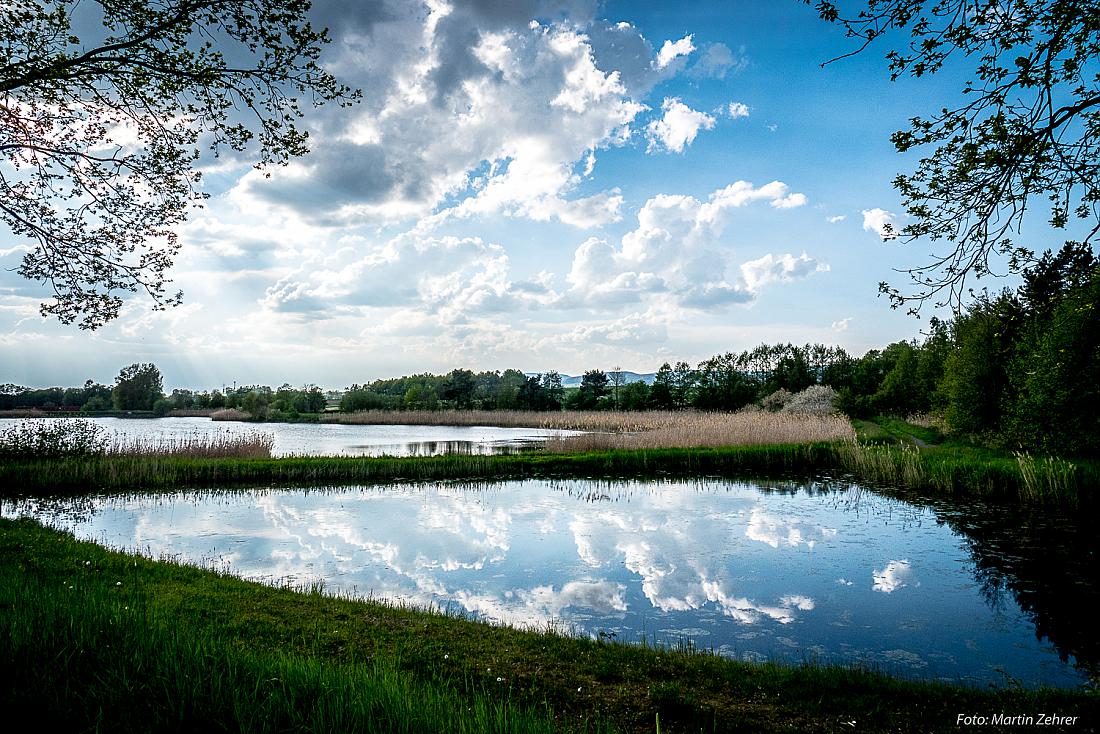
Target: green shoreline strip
x=950 y=470
x=92 y=639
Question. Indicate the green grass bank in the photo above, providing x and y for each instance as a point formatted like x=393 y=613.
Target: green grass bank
x=98 y=640
x=957 y=470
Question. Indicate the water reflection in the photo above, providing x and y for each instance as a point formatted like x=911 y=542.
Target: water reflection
x=329 y=439
x=813 y=571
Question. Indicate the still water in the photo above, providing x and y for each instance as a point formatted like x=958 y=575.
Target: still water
x=331 y=439
x=824 y=572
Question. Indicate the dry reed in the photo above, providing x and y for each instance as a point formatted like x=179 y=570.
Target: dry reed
x=617 y=421
x=230 y=414
x=713 y=430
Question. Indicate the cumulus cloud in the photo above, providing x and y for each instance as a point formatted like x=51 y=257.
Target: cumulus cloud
x=779 y=269
x=737 y=110
x=676 y=250
x=677 y=127
x=672 y=50
x=477 y=109
x=881 y=222
x=452 y=277
x=836 y=219
x=842 y=325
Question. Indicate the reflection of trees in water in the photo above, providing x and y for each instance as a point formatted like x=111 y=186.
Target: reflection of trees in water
x=1047 y=560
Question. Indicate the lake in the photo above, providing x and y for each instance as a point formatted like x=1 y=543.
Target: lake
x=334 y=439
x=821 y=571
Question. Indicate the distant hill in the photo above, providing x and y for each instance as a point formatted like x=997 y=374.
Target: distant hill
x=628 y=377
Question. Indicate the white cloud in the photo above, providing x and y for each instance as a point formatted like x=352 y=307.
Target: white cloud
x=476 y=115
x=779 y=269
x=717 y=61
x=737 y=110
x=677 y=127
x=675 y=250
x=881 y=222
x=842 y=325
x=836 y=219
x=674 y=49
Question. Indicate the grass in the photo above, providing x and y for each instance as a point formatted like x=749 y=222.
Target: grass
x=96 y=639
x=960 y=471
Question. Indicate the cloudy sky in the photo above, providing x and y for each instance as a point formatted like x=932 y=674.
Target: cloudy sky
x=538 y=184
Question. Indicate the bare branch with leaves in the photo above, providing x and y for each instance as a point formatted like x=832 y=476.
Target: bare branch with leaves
x=100 y=130
x=1028 y=127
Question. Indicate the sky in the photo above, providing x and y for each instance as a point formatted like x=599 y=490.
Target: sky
x=533 y=184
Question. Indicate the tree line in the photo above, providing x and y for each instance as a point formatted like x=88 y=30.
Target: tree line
x=140 y=387
x=1018 y=369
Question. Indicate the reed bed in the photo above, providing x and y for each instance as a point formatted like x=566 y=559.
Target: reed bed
x=83 y=440
x=578 y=420
x=230 y=414
x=714 y=430
x=224 y=445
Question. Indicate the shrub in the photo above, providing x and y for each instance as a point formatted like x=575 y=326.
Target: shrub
x=816 y=399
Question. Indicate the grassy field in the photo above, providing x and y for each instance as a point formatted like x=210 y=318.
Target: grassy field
x=97 y=640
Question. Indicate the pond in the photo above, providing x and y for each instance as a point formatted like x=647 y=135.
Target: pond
x=815 y=572
x=334 y=439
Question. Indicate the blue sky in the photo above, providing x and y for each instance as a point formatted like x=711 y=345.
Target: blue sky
x=542 y=184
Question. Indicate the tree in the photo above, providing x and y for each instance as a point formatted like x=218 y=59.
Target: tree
x=660 y=395
x=99 y=132
x=458 y=387
x=618 y=379
x=1027 y=126
x=594 y=385
x=137 y=387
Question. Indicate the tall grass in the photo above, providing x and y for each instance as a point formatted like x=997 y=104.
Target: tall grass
x=1047 y=477
x=712 y=430
x=249 y=445
x=230 y=414
x=84 y=440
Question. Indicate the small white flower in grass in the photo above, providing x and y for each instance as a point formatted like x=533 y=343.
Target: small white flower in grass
x=499 y=679
x=447 y=656
x=87 y=563
x=118 y=583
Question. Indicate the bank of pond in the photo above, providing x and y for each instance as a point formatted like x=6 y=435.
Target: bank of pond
x=545 y=604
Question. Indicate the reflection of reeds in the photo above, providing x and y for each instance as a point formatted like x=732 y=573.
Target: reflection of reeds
x=712 y=430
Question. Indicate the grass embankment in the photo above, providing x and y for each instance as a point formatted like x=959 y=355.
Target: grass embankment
x=95 y=639
x=959 y=471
